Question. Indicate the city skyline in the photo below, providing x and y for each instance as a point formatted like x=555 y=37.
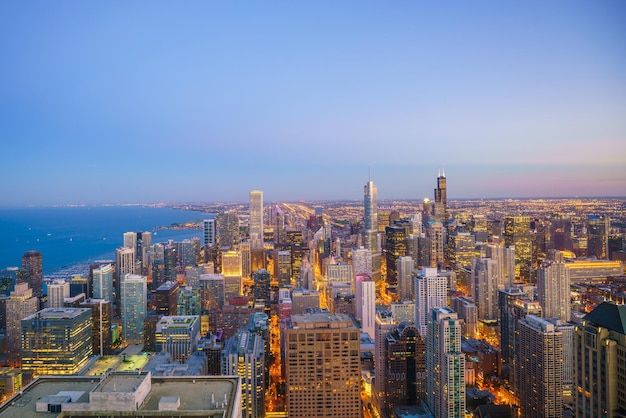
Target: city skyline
x=143 y=102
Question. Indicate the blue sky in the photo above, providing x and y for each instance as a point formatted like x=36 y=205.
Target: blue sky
x=112 y=102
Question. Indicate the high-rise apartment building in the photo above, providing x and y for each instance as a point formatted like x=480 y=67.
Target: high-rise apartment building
x=256 y=219
x=56 y=341
x=32 y=263
x=58 y=290
x=539 y=370
x=445 y=365
x=365 y=297
x=244 y=356
x=134 y=308
x=435 y=233
x=322 y=366
x=124 y=264
x=553 y=290
x=21 y=304
x=405 y=266
x=431 y=291
x=484 y=287
x=600 y=363
x=517 y=233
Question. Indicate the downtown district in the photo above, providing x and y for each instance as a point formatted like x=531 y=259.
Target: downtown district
x=433 y=308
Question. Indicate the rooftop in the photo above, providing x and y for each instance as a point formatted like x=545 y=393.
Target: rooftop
x=609 y=315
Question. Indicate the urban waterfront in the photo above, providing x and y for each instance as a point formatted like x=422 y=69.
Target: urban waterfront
x=73 y=234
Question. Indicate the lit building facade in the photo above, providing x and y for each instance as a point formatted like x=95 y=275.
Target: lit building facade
x=56 y=341
x=178 y=336
x=553 y=290
x=103 y=282
x=32 y=263
x=431 y=291
x=600 y=363
x=256 y=219
x=134 y=308
x=517 y=234
x=322 y=366
x=539 y=370
x=244 y=356
x=21 y=304
x=445 y=365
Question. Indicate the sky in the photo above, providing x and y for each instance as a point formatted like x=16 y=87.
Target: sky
x=203 y=101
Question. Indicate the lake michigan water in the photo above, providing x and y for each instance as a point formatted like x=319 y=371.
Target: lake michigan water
x=68 y=235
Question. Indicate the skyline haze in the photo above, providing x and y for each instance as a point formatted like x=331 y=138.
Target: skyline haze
x=202 y=102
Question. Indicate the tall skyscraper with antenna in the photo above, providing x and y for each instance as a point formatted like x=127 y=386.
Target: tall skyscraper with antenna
x=441 y=199
x=256 y=219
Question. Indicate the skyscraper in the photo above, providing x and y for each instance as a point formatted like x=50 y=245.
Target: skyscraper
x=405 y=368
x=134 y=309
x=484 y=281
x=405 y=266
x=56 y=341
x=539 y=370
x=365 y=296
x=370 y=230
x=431 y=291
x=322 y=366
x=178 y=336
x=600 y=359
x=553 y=289
x=244 y=356
x=21 y=304
x=33 y=267
x=212 y=294
x=209 y=233
x=441 y=200
x=100 y=325
x=103 y=282
x=124 y=264
x=598 y=236
x=445 y=365
x=256 y=219
x=517 y=233
x=370 y=205
x=58 y=290
x=395 y=247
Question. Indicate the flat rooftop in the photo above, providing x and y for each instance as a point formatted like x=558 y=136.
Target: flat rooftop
x=204 y=394
x=51 y=314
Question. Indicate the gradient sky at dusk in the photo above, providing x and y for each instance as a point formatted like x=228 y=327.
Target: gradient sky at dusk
x=202 y=101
